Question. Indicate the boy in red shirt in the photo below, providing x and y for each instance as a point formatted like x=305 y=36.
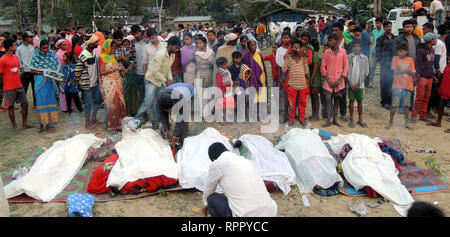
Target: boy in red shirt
x=12 y=86
x=272 y=58
x=444 y=92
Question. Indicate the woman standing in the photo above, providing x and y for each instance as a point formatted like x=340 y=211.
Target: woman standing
x=46 y=67
x=131 y=88
x=187 y=59
x=112 y=86
x=204 y=60
x=258 y=78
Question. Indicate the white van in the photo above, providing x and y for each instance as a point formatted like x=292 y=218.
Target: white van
x=399 y=15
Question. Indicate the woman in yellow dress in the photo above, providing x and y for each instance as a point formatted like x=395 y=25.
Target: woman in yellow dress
x=110 y=72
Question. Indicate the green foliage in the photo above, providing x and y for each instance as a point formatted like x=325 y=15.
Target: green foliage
x=67 y=13
x=430 y=163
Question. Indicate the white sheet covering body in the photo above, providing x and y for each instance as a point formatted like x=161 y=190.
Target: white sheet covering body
x=143 y=155
x=366 y=165
x=194 y=159
x=310 y=159
x=271 y=164
x=54 y=169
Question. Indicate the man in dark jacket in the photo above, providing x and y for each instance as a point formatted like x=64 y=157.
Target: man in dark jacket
x=167 y=99
x=413 y=41
x=385 y=54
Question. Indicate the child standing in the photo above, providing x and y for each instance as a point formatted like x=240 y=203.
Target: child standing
x=444 y=92
x=70 y=90
x=273 y=62
x=235 y=68
x=225 y=84
x=315 y=82
x=402 y=88
x=358 y=73
x=334 y=69
x=296 y=64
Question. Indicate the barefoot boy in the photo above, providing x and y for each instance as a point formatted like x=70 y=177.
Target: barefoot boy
x=12 y=86
x=404 y=72
x=334 y=69
x=358 y=73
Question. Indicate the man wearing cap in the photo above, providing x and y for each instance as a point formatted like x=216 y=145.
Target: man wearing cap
x=424 y=76
x=226 y=50
x=159 y=74
x=245 y=194
x=25 y=52
x=86 y=73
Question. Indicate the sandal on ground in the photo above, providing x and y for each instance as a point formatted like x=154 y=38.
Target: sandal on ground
x=352 y=125
x=362 y=124
x=27 y=127
x=434 y=124
x=447 y=131
x=16 y=131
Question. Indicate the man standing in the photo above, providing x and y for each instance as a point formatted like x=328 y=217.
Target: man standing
x=25 y=52
x=158 y=75
x=328 y=29
x=137 y=55
x=424 y=76
x=384 y=56
x=338 y=28
x=321 y=26
x=86 y=72
x=245 y=194
x=437 y=10
x=413 y=42
x=12 y=87
x=151 y=49
x=376 y=33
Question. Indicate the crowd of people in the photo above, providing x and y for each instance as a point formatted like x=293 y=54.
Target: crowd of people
x=126 y=71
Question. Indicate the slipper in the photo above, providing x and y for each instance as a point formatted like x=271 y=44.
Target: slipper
x=447 y=131
x=16 y=131
x=434 y=124
x=363 y=125
x=326 y=125
x=352 y=125
x=337 y=124
x=27 y=127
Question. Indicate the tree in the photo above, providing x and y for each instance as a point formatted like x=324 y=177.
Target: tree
x=291 y=4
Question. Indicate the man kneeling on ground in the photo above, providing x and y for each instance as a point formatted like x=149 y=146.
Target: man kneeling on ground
x=245 y=194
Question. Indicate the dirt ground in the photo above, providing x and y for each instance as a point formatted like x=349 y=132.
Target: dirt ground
x=15 y=148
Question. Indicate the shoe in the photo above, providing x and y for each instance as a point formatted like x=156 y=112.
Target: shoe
x=413 y=121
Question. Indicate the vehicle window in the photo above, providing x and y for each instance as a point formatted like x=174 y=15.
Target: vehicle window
x=406 y=14
x=392 y=16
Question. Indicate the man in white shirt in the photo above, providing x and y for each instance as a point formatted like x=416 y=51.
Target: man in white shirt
x=437 y=10
x=151 y=49
x=245 y=194
x=25 y=52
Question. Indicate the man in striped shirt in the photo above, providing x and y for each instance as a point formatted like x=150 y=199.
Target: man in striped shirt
x=297 y=85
